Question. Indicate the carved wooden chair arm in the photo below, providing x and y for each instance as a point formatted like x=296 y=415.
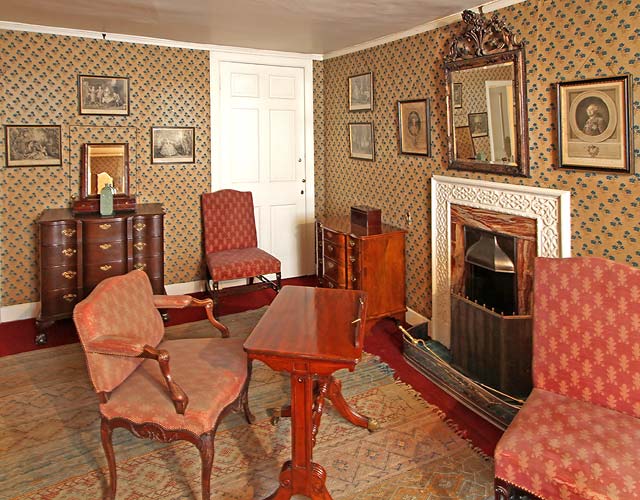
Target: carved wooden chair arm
x=179 y=397
x=114 y=345
x=182 y=301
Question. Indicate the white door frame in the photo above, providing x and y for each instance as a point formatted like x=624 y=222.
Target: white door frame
x=306 y=63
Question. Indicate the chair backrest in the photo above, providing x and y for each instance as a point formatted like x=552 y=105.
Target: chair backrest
x=586 y=331
x=120 y=306
x=228 y=220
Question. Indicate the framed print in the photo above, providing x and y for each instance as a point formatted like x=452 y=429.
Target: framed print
x=594 y=131
x=173 y=145
x=361 y=92
x=33 y=145
x=103 y=95
x=465 y=149
x=414 y=127
x=457 y=95
x=361 y=141
x=478 y=124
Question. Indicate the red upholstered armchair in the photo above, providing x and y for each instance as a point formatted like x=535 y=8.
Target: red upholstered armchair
x=578 y=434
x=163 y=390
x=230 y=243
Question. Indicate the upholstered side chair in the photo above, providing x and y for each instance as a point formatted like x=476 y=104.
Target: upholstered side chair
x=165 y=390
x=231 y=245
x=578 y=434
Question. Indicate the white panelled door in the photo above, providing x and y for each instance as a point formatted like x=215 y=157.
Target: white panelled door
x=262 y=150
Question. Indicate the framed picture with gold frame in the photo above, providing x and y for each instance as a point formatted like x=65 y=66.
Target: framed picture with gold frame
x=594 y=129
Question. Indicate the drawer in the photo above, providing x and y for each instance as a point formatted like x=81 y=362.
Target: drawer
x=95 y=252
x=334 y=251
x=153 y=266
x=95 y=273
x=59 y=255
x=333 y=237
x=148 y=247
x=59 y=302
x=61 y=233
x=54 y=278
x=335 y=272
x=145 y=228
x=329 y=283
x=353 y=278
x=104 y=230
x=353 y=244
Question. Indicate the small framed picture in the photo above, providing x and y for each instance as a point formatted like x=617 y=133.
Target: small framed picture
x=594 y=131
x=103 y=95
x=414 y=127
x=478 y=124
x=173 y=145
x=33 y=145
x=361 y=141
x=457 y=95
x=361 y=92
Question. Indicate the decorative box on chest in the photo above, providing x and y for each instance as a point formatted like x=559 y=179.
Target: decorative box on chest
x=78 y=251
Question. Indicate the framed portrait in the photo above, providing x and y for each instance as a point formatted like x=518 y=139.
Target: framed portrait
x=361 y=92
x=33 y=145
x=361 y=141
x=103 y=95
x=465 y=150
x=478 y=124
x=457 y=95
x=594 y=129
x=414 y=127
x=173 y=145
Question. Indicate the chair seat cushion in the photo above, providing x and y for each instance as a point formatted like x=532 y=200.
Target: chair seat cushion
x=562 y=448
x=241 y=263
x=211 y=371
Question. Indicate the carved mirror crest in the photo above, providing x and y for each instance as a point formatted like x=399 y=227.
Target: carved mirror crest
x=486 y=96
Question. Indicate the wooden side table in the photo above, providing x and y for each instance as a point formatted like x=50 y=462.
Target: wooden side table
x=310 y=333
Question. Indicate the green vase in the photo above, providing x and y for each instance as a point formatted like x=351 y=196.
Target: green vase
x=106 y=199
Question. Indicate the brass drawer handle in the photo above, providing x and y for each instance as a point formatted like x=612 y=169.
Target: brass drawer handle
x=69 y=275
x=354 y=279
x=330 y=248
x=139 y=226
x=328 y=235
x=105 y=246
x=352 y=259
x=68 y=252
x=140 y=245
x=70 y=297
x=68 y=232
x=329 y=265
x=106 y=267
x=330 y=285
x=104 y=227
x=140 y=266
x=352 y=243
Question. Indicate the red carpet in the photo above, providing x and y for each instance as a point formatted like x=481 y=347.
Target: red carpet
x=384 y=341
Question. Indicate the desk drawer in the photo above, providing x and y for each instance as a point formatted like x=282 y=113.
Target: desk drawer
x=59 y=255
x=147 y=248
x=105 y=230
x=96 y=252
x=153 y=266
x=60 y=233
x=145 y=228
x=333 y=237
x=335 y=271
x=59 y=277
x=334 y=251
x=95 y=273
x=59 y=302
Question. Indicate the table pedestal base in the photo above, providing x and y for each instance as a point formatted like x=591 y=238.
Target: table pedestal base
x=303 y=481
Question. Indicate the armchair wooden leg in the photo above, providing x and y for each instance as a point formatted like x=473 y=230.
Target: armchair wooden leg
x=206 y=455
x=107 y=445
x=245 y=396
x=278 y=281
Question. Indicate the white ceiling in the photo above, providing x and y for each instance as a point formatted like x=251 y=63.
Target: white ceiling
x=305 y=26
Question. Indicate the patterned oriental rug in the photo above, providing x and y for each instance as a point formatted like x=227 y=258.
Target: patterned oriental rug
x=50 y=440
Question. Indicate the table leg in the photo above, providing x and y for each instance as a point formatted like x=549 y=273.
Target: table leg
x=300 y=475
x=334 y=393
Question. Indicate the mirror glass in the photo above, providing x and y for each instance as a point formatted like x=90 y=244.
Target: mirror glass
x=484 y=114
x=105 y=164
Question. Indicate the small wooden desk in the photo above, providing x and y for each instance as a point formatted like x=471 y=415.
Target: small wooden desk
x=310 y=333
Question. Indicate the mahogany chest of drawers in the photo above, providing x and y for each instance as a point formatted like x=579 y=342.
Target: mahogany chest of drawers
x=78 y=251
x=374 y=263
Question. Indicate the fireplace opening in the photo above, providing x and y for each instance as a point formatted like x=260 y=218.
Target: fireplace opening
x=490 y=277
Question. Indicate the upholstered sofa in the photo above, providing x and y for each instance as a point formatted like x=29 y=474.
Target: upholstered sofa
x=578 y=434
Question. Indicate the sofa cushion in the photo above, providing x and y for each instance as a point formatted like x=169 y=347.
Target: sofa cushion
x=562 y=448
x=211 y=372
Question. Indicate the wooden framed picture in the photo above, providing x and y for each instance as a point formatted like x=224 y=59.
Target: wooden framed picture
x=414 y=127
x=173 y=144
x=478 y=124
x=594 y=129
x=457 y=95
x=361 y=92
x=103 y=95
x=33 y=145
x=361 y=141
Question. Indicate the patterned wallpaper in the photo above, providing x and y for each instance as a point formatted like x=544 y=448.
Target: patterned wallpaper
x=168 y=87
x=567 y=40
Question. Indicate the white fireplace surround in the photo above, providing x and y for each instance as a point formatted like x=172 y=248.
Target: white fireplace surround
x=549 y=207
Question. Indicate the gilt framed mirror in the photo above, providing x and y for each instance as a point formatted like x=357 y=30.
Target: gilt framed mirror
x=486 y=96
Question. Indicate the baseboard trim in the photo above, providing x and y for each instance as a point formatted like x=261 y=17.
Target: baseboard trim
x=414 y=318
x=19 y=312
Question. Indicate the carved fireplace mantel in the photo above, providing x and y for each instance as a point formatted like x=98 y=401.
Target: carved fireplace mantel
x=550 y=208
